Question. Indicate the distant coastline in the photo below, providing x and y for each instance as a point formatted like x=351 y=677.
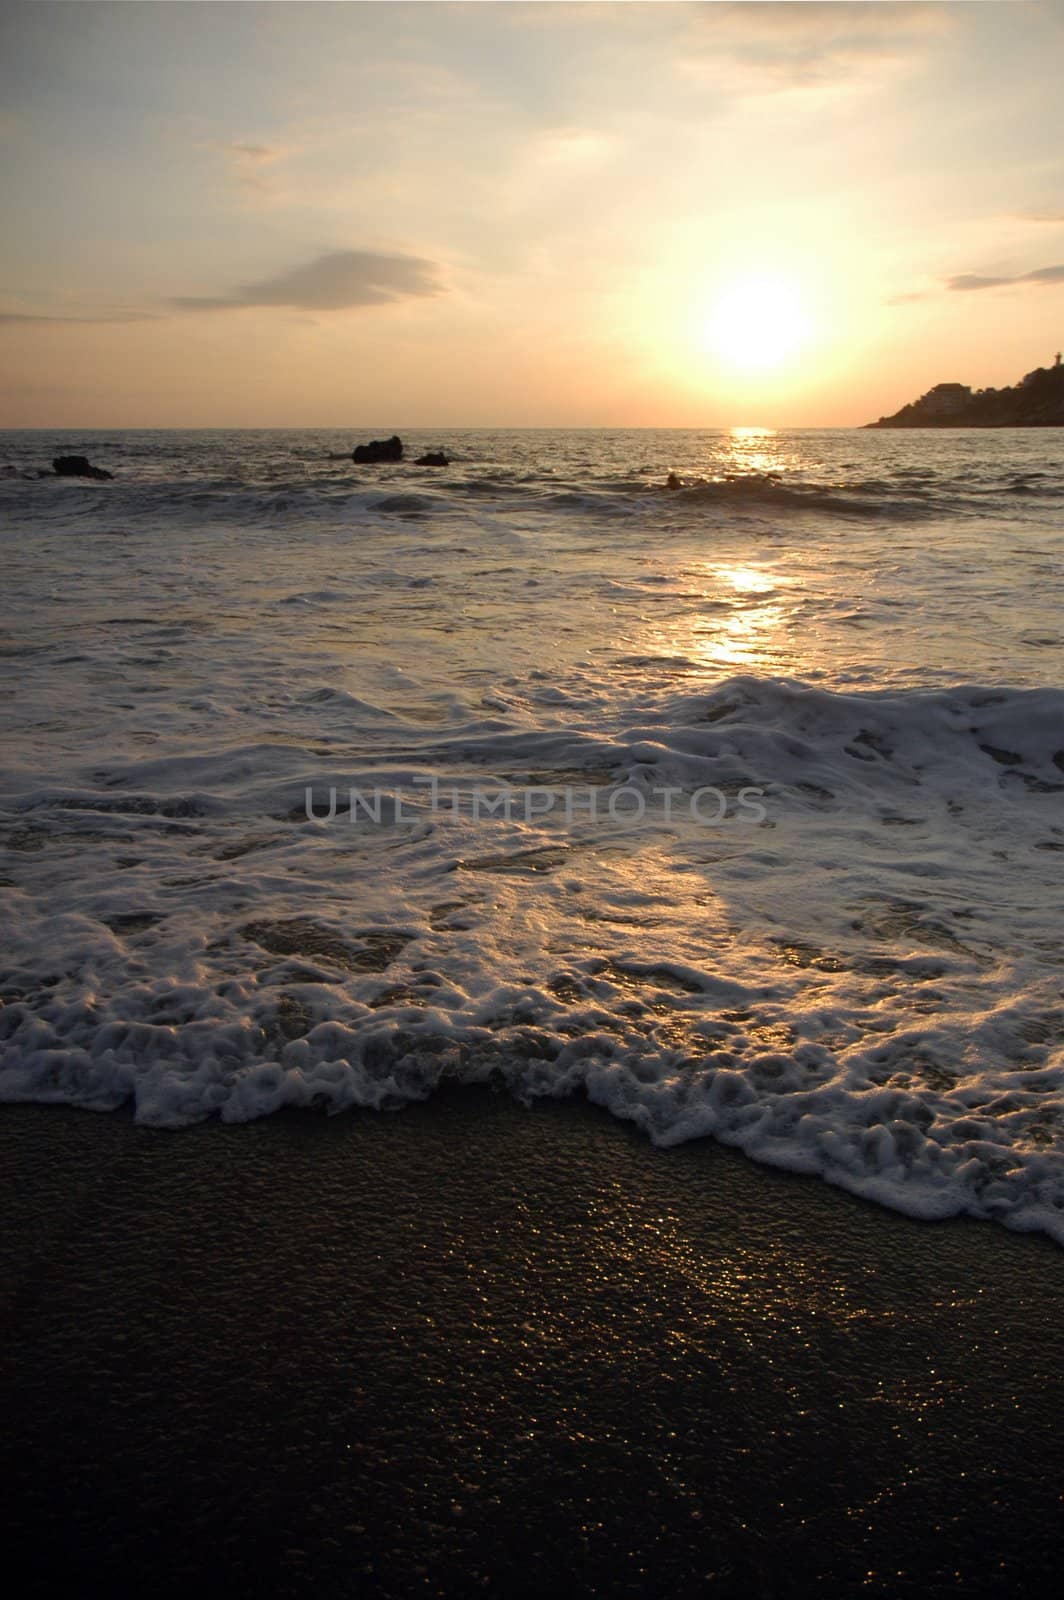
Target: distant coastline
x=1037 y=401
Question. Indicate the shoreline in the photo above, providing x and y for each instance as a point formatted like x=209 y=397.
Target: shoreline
x=470 y=1346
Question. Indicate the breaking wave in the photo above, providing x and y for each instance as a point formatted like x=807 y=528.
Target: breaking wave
x=861 y=975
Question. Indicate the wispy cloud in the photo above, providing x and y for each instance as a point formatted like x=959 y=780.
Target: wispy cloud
x=966 y=281
x=250 y=162
x=12 y=317
x=336 y=281
x=772 y=47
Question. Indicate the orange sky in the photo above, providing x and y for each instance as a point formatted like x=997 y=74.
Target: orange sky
x=474 y=215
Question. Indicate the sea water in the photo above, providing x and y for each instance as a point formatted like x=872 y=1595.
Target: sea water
x=736 y=807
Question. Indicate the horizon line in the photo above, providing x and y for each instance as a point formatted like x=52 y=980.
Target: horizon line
x=465 y=427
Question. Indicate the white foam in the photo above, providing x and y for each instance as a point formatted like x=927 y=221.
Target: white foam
x=868 y=984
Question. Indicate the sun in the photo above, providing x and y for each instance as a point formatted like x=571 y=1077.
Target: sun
x=757 y=324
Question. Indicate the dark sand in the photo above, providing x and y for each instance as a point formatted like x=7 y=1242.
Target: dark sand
x=476 y=1349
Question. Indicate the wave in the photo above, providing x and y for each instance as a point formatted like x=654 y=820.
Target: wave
x=819 y=922
x=787 y=731
x=827 y=748
x=859 y=498
x=865 y=983
x=327 y=493
x=681 y=1052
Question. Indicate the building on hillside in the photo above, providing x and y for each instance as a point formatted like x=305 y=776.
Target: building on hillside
x=946 y=398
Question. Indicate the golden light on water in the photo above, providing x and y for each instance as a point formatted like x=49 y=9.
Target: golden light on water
x=756 y=450
x=746 y=580
x=738 y=616
x=746 y=635
x=734 y=619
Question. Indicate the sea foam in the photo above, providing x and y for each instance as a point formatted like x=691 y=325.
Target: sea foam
x=861 y=978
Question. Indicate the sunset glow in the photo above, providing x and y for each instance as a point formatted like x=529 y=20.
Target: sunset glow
x=521 y=215
x=532 y=688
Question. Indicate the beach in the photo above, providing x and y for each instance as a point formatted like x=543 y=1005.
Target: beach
x=474 y=1347
x=579 y=843
x=532 y=801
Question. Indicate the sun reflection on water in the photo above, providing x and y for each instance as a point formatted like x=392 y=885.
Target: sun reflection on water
x=734 y=618
x=760 y=613
x=747 y=632
x=756 y=451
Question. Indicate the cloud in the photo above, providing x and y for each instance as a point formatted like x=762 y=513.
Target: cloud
x=243 y=151
x=332 y=282
x=970 y=280
x=966 y=281
x=774 y=47
x=249 y=163
x=9 y=318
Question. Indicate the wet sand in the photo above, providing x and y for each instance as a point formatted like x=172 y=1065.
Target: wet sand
x=472 y=1349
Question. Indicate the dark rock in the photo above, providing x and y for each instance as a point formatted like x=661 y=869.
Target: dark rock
x=379 y=450
x=432 y=458
x=78 y=467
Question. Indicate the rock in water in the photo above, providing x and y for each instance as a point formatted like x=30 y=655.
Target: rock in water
x=432 y=458
x=379 y=450
x=78 y=467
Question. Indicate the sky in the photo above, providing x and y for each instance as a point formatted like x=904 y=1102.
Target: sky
x=540 y=215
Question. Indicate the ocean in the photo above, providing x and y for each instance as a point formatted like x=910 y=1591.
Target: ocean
x=734 y=807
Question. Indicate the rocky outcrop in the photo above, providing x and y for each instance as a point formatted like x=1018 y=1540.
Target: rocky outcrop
x=379 y=450
x=433 y=458
x=78 y=467
x=1037 y=401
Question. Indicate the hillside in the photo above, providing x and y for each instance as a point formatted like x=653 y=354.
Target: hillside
x=1037 y=401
